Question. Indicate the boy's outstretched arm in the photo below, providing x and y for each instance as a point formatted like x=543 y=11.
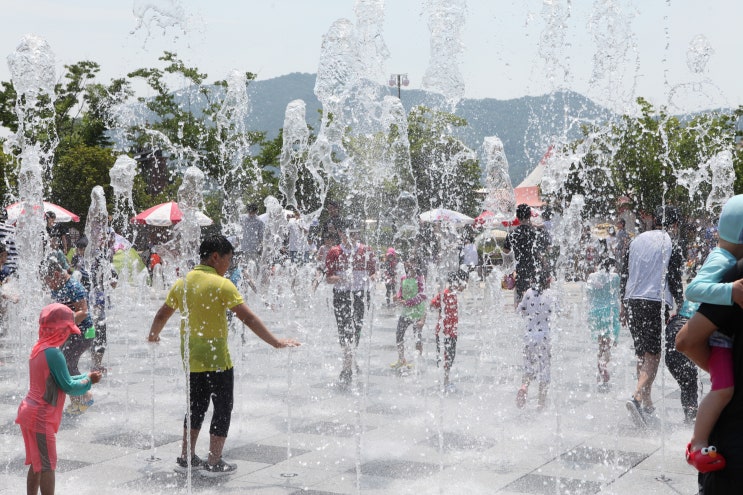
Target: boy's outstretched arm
x=246 y=315
x=161 y=318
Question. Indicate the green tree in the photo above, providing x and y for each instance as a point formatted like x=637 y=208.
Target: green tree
x=185 y=121
x=76 y=173
x=80 y=121
x=445 y=170
x=8 y=176
x=195 y=125
x=642 y=157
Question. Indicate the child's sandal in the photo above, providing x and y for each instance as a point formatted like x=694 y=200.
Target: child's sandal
x=706 y=459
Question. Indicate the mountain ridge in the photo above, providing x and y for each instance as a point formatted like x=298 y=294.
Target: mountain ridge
x=526 y=125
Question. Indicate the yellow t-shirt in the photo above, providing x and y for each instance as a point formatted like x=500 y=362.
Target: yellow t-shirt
x=203 y=311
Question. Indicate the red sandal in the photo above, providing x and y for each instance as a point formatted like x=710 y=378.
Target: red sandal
x=706 y=459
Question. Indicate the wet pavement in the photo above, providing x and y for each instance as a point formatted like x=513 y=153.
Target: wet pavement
x=294 y=430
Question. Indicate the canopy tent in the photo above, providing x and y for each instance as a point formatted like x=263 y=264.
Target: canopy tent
x=62 y=215
x=528 y=191
x=166 y=214
x=528 y=195
x=446 y=215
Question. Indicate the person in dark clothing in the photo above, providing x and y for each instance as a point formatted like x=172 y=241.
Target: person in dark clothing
x=53 y=229
x=334 y=223
x=727 y=434
x=530 y=246
x=683 y=370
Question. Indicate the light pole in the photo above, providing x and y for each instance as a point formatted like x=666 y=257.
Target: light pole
x=399 y=80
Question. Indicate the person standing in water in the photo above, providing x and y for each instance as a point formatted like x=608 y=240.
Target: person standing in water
x=203 y=297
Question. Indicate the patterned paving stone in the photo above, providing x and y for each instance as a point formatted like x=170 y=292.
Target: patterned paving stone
x=267 y=454
x=548 y=485
x=399 y=469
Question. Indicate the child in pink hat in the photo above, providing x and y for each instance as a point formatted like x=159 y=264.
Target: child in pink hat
x=40 y=412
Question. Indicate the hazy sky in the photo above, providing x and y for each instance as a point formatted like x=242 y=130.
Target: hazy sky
x=505 y=55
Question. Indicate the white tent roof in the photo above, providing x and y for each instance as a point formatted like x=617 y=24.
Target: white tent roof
x=535 y=177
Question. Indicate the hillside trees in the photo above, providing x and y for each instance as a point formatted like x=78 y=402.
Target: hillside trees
x=651 y=159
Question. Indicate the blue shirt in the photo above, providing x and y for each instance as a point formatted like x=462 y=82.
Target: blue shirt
x=706 y=286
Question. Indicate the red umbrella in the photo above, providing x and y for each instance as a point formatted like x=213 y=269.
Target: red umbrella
x=15 y=210
x=166 y=214
x=485 y=217
x=488 y=217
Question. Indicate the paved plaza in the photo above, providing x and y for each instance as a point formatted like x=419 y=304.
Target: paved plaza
x=294 y=431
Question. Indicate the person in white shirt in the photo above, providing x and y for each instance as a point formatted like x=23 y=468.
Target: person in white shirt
x=538 y=307
x=470 y=258
x=297 y=238
x=251 y=243
x=650 y=282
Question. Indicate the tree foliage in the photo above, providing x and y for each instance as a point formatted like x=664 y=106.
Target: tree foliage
x=640 y=159
x=75 y=175
x=445 y=170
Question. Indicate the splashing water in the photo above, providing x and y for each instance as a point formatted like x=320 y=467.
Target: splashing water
x=336 y=72
x=616 y=45
x=681 y=96
x=553 y=43
x=446 y=19
x=188 y=232
x=294 y=149
x=698 y=55
x=568 y=236
x=96 y=225
x=500 y=199
x=372 y=50
x=163 y=14
x=33 y=76
x=723 y=177
x=97 y=259
x=394 y=167
x=234 y=149
x=122 y=176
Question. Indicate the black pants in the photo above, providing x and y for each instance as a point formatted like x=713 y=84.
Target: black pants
x=646 y=324
x=402 y=325
x=98 y=314
x=681 y=367
x=348 y=307
x=215 y=386
x=450 y=350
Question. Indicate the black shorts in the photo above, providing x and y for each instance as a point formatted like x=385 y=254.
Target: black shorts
x=218 y=387
x=348 y=307
x=646 y=324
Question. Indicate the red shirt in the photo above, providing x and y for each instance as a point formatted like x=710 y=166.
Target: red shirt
x=354 y=266
x=451 y=314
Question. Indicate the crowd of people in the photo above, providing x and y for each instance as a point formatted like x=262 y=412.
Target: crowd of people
x=633 y=281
